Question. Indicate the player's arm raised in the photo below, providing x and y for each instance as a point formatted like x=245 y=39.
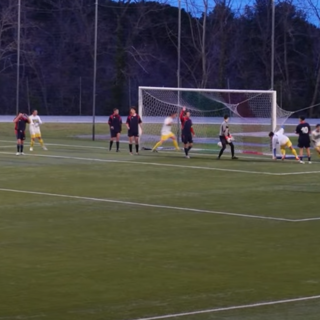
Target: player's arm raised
x=182 y=113
x=17 y=118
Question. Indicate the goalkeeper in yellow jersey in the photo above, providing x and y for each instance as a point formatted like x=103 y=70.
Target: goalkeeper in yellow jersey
x=315 y=137
x=279 y=138
x=166 y=133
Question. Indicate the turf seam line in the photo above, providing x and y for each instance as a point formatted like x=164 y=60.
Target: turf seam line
x=147 y=205
x=246 y=306
x=164 y=165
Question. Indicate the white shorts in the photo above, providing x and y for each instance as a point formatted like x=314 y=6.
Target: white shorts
x=317 y=144
x=35 y=132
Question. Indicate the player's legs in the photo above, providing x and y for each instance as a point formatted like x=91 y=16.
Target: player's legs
x=112 y=138
x=317 y=148
x=283 y=151
x=18 y=145
x=294 y=152
x=118 y=141
x=20 y=140
x=188 y=143
x=223 y=146
x=131 y=139
x=32 y=143
x=136 y=141
x=185 y=145
x=309 y=154
x=159 y=143
x=41 y=142
x=232 y=150
x=174 y=140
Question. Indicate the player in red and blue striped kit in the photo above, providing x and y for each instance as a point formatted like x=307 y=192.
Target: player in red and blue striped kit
x=134 y=126
x=187 y=132
x=115 y=124
x=20 y=121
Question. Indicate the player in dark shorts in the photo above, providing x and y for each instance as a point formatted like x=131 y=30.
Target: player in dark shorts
x=133 y=124
x=187 y=133
x=226 y=138
x=20 y=121
x=115 y=124
x=303 y=129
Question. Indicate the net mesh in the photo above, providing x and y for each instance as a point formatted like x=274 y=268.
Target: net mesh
x=250 y=113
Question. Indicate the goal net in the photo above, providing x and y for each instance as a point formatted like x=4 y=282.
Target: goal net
x=253 y=114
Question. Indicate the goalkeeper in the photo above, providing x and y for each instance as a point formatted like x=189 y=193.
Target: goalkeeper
x=226 y=138
x=166 y=133
x=279 y=138
x=315 y=137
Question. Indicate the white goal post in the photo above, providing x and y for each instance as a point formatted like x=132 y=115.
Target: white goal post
x=253 y=113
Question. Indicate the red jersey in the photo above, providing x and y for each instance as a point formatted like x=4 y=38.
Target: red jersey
x=183 y=119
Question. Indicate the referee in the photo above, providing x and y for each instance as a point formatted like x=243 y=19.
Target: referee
x=225 y=138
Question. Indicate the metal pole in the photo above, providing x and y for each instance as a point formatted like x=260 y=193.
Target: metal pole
x=18 y=57
x=179 y=63
x=80 y=97
x=95 y=71
x=28 y=97
x=272 y=44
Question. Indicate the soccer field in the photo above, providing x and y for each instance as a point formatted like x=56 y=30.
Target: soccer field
x=90 y=234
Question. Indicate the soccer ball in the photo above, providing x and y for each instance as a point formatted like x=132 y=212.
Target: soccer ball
x=219 y=144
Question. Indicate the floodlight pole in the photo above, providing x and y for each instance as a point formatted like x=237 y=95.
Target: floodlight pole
x=179 y=62
x=272 y=44
x=95 y=71
x=18 y=57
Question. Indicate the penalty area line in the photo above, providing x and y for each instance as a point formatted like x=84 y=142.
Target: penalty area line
x=138 y=204
x=156 y=164
x=246 y=306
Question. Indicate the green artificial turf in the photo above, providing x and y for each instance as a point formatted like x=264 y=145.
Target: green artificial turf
x=84 y=257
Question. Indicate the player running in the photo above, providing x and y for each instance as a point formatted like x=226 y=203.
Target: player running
x=115 y=124
x=20 y=121
x=187 y=133
x=279 y=138
x=226 y=138
x=134 y=124
x=34 y=128
x=166 y=132
x=304 y=130
x=315 y=137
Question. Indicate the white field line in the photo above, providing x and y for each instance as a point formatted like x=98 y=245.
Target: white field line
x=165 y=165
x=307 y=219
x=145 y=163
x=164 y=151
x=106 y=148
x=146 y=205
x=296 y=173
x=246 y=306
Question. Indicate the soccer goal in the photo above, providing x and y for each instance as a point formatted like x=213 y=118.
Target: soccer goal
x=253 y=114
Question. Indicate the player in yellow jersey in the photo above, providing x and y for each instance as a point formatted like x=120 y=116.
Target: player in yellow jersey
x=35 y=133
x=315 y=137
x=166 y=133
x=279 y=138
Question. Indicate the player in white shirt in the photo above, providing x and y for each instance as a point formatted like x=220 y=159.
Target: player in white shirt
x=34 y=127
x=279 y=138
x=315 y=137
x=166 y=132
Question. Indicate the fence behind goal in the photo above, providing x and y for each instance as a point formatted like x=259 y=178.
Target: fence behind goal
x=253 y=114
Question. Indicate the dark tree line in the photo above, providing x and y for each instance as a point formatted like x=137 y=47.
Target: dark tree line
x=137 y=45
